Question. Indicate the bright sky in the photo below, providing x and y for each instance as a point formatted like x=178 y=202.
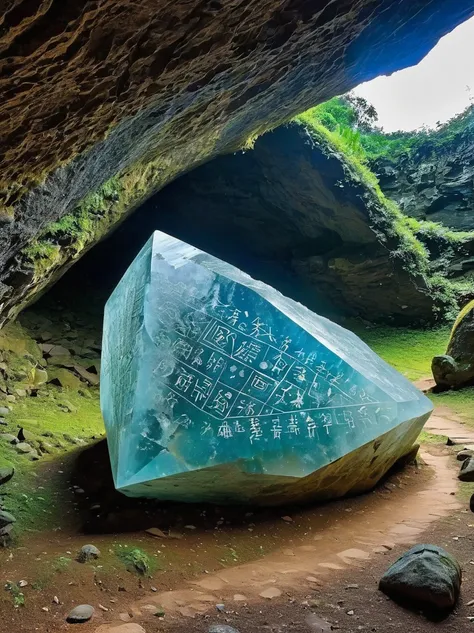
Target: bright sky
x=433 y=91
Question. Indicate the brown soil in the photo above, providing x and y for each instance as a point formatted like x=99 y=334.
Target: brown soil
x=234 y=555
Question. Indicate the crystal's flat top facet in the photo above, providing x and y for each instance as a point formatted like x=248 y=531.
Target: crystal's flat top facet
x=204 y=366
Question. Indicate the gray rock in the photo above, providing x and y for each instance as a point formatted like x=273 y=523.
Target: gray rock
x=87 y=553
x=81 y=613
x=4 y=411
x=24 y=447
x=5 y=531
x=8 y=437
x=467 y=470
x=464 y=454
x=6 y=518
x=221 y=628
x=6 y=474
x=426 y=576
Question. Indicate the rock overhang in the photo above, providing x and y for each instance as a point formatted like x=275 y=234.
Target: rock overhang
x=92 y=91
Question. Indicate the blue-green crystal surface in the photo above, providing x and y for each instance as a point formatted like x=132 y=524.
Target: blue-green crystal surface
x=215 y=386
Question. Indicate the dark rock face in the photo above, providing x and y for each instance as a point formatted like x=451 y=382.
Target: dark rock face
x=295 y=205
x=467 y=470
x=438 y=186
x=456 y=368
x=91 y=91
x=425 y=577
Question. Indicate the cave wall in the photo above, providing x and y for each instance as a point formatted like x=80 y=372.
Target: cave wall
x=436 y=182
x=293 y=212
x=141 y=92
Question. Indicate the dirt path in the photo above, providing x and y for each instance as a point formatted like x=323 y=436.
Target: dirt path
x=311 y=553
x=334 y=545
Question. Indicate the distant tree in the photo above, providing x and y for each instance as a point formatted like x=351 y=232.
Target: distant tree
x=365 y=114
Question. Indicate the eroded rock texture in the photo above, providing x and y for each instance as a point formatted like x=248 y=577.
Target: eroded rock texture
x=456 y=368
x=148 y=89
x=295 y=204
x=436 y=183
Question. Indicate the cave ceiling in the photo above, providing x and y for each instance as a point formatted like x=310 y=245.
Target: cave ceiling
x=93 y=90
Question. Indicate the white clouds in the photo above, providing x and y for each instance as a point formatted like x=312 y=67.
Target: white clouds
x=433 y=91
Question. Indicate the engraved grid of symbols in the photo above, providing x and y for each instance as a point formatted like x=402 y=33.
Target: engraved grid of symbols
x=220 y=410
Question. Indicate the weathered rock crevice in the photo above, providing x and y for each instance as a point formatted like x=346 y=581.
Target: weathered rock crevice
x=142 y=92
x=435 y=182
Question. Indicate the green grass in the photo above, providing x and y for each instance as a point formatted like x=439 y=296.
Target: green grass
x=409 y=351
x=136 y=560
x=17 y=595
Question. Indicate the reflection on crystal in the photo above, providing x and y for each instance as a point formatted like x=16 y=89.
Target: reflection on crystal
x=216 y=387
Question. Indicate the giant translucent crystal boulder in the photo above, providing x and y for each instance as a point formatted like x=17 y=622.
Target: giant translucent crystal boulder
x=215 y=387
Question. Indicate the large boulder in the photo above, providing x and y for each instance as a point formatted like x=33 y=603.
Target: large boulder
x=426 y=577
x=456 y=368
x=254 y=398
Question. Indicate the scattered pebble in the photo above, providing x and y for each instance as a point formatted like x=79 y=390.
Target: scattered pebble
x=189 y=527
x=351 y=612
x=101 y=606
x=23 y=583
x=56 y=600
x=45 y=609
x=220 y=607
x=221 y=628
x=88 y=553
x=81 y=613
x=287 y=519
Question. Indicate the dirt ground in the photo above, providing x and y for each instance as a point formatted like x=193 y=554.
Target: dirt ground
x=272 y=570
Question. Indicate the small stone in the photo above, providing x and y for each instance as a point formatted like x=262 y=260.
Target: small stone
x=467 y=470
x=154 y=589
x=8 y=437
x=55 y=600
x=125 y=617
x=189 y=527
x=353 y=586
x=6 y=518
x=470 y=603
x=287 y=519
x=4 y=411
x=221 y=628
x=154 y=531
x=81 y=613
x=24 y=448
x=318 y=625
x=6 y=474
x=351 y=612
x=220 y=607
x=270 y=593
x=22 y=583
x=101 y=606
x=45 y=609
x=87 y=553
x=239 y=597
